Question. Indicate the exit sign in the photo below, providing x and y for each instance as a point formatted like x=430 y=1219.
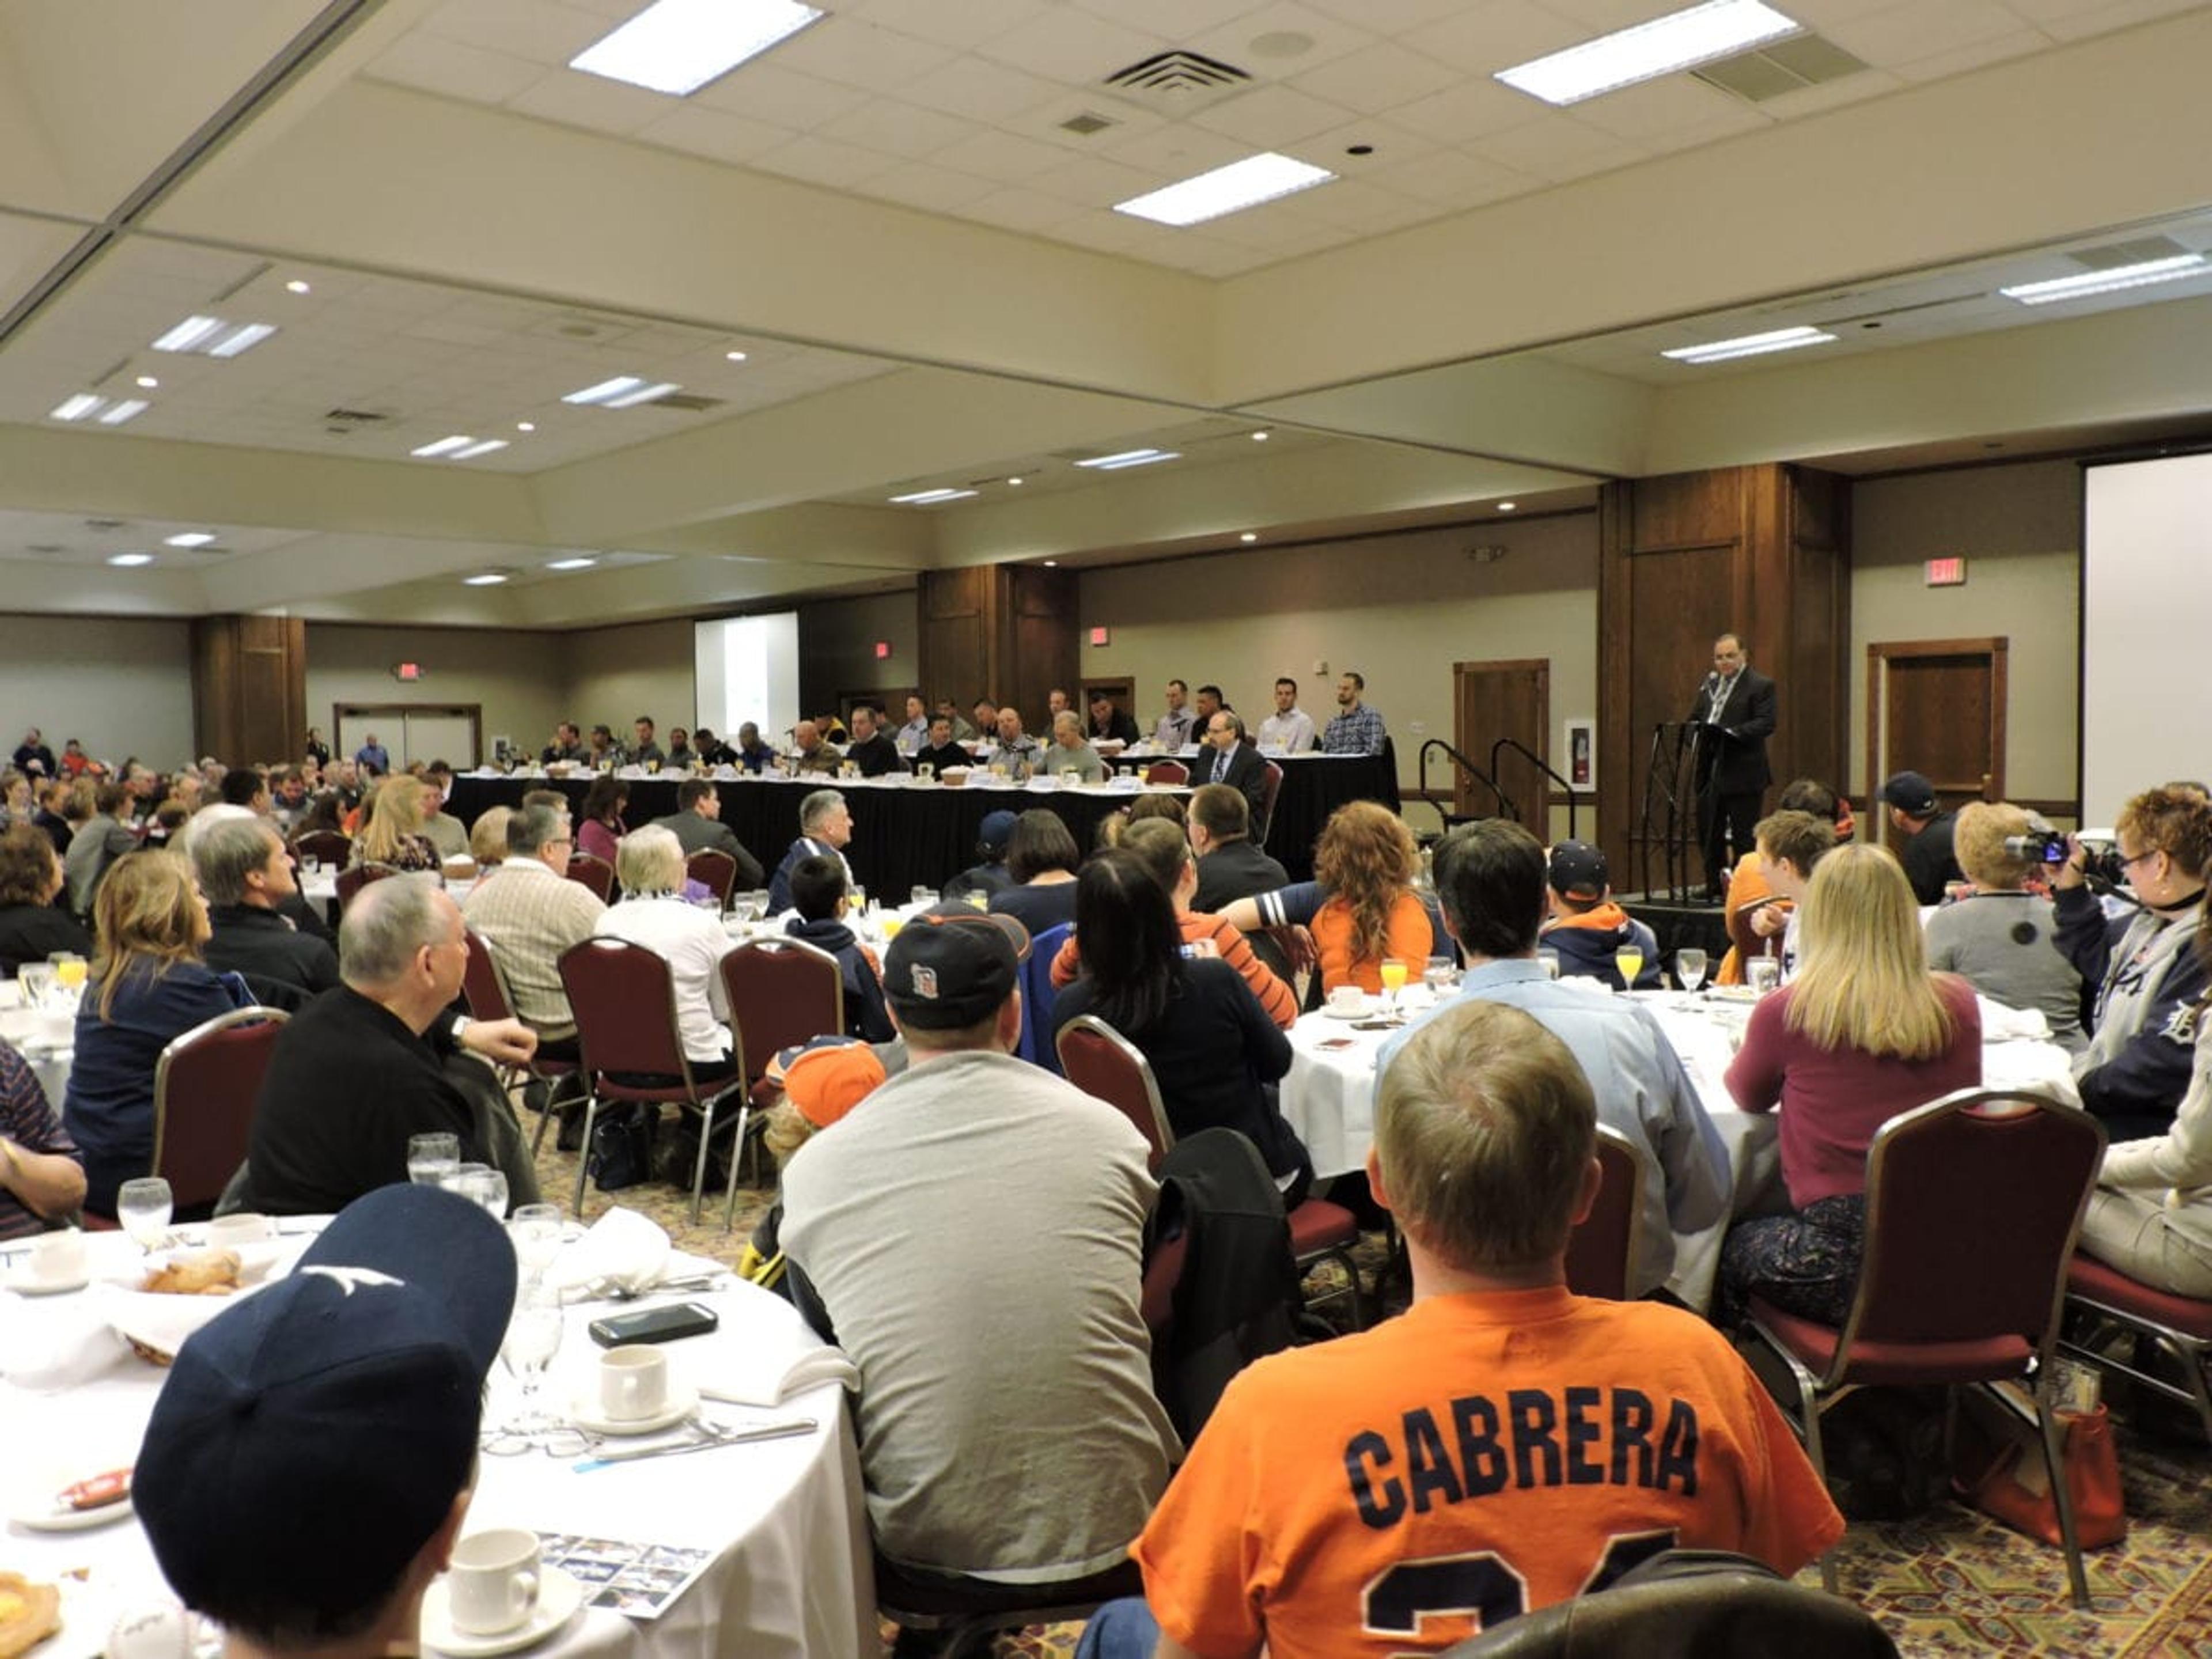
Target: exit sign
x=1100 y=636
x=1947 y=573
x=408 y=671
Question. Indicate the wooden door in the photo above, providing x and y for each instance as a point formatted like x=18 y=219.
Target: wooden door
x=1936 y=707
x=1495 y=700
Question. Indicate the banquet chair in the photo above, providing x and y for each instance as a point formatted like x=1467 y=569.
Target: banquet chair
x=597 y=874
x=205 y=1085
x=1973 y=1203
x=1037 y=1044
x=1167 y=771
x=1601 y=1249
x=331 y=846
x=351 y=882
x=1264 y=819
x=1289 y=951
x=1106 y=1065
x=716 y=871
x=2101 y=1301
x=781 y=993
x=483 y=990
x=975 y=1610
x=623 y=997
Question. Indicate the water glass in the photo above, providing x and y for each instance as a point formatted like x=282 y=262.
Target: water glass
x=1439 y=975
x=923 y=894
x=533 y=1338
x=1689 y=969
x=481 y=1185
x=143 y=1206
x=1762 y=973
x=432 y=1159
x=1550 y=960
x=536 y=1231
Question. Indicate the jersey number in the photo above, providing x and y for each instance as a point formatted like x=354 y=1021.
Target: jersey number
x=1483 y=1586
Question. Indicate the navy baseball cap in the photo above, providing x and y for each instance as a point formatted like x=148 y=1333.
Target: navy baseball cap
x=1909 y=792
x=996 y=830
x=1578 y=871
x=947 y=971
x=315 y=1435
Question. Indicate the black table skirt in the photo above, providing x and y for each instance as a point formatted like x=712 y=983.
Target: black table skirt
x=903 y=838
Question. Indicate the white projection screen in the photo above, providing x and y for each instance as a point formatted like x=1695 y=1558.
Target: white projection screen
x=748 y=670
x=2145 y=627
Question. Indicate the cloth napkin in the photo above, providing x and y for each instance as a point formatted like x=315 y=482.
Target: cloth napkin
x=765 y=1352
x=2001 y=1024
x=623 y=1250
x=74 y=1339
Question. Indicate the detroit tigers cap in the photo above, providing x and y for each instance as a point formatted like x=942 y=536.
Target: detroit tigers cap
x=1578 y=871
x=944 y=971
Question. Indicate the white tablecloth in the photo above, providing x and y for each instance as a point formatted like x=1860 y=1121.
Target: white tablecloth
x=793 y=1579
x=1328 y=1097
x=48 y=1045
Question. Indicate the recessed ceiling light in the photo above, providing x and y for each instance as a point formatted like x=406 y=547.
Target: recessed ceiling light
x=149 y=382
x=128 y=560
x=2107 y=282
x=1129 y=458
x=485 y=579
x=1749 y=345
x=192 y=538
x=582 y=561
x=735 y=357
x=295 y=286
x=1507 y=506
x=679 y=45
x=1678 y=41
x=931 y=497
x=476 y=449
x=526 y=426
x=1015 y=482
x=1249 y=535
x=1052 y=564
x=1259 y=437
x=76 y=408
x=644 y=394
x=129 y=409
x=1230 y=188
x=444 y=445
x=191 y=333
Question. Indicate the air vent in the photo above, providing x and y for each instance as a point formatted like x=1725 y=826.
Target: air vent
x=1791 y=65
x=47 y=550
x=1084 y=125
x=354 y=417
x=1179 y=83
x=2140 y=252
x=104 y=525
x=691 y=402
x=580 y=326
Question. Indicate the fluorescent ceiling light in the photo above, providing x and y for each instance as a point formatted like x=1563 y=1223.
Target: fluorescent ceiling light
x=484 y=579
x=245 y=337
x=76 y=408
x=127 y=409
x=192 y=538
x=444 y=445
x=1129 y=458
x=477 y=449
x=128 y=560
x=678 y=45
x=605 y=390
x=1240 y=184
x=1678 y=41
x=2107 y=282
x=192 y=331
x=1749 y=345
x=215 y=337
x=582 y=562
x=930 y=497
x=644 y=394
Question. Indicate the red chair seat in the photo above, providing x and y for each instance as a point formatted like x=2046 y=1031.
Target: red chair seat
x=1878 y=1362
x=2114 y=1289
x=1318 y=1224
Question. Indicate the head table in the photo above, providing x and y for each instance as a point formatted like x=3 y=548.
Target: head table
x=783 y=1518
x=1328 y=1097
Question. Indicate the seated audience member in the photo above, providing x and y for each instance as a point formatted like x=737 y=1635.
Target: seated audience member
x=289 y=804
x=825 y=829
x=1790 y=847
x=2000 y=937
x=1364 y=861
x=324 y=811
x=393 y=833
x=833 y=729
x=871 y=749
x=914 y=733
x=1864 y=1032
x=1492 y=879
x=816 y=1085
x=1213 y=1049
x=32 y=754
x=645 y=749
x=100 y=840
x=710 y=750
x=245 y=876
x=360 y=1371
x=1041 y=859
x=1036 y=1455
x=1167 y=855
x=1290 y=728
x=1178 y=725
x=168 y=820
x=529 y=912
x=362 y=1069
x=986 y=712
x=1056 y=703
x=1929 y=863
x=1586 y=928
x=1230 y=867
x=654 y=914
x=1108 y=723
x=487 y=839
x=1224 y=757
x=31 y=927
x=446 y=833
x=244 y=787
x=603 y=752
x=599 y=826
x=1069 y=753
x=963 y=730
x=1354 y=729
x=41 y=1172
x=2137 y=1067
x=818 y=918
x=148 y=986
x=940 y=752
x=567 y=744
x=989 y=873
x=1747 y=883
x=752 y=753
x=74 y=760
x=697 y=825
x=682 y=756
x=1210 y=702
x=52 y=816
x=1334 y=1479
x=1017 y=753
x=812 y=752
x=18 y=799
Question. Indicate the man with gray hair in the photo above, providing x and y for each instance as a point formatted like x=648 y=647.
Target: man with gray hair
x=246 y=875
x=529 y=912
x=362 y=1069
x=1070 y=751
x=825 y=826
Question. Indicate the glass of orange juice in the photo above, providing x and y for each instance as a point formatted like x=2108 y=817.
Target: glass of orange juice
x=1396 y=971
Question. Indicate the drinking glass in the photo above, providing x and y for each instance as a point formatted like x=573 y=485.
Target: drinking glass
x=1395 y=972
x=1689 y=969
x=431 y=1159
x=1439 y=974
x=1628 y=960
x=143 y=1206
x=1762 y=973
x=69 y=971
x=1550 y=959
x=533 y=1338
x=536 y=1231
x=923 y=896
x=481 y=1185
x=38 y=980
x=758 y=897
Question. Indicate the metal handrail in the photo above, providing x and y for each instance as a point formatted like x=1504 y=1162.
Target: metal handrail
x=1543 y=766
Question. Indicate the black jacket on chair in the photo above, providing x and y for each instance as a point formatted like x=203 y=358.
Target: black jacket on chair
x=1733 y=760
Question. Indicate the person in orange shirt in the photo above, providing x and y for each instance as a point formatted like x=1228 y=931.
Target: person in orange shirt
x=1502 y=1445
x=1747 y=884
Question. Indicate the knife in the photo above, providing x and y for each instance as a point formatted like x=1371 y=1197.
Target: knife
x=711 y=1438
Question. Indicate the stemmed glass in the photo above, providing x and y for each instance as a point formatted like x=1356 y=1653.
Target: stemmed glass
x=536 y=1231
x=1689 y=969
x=1439 y=975
x=533 y=1338
x=481 y=1185
x=433 y=1158
x=1628 y=962
x=1396 y=971
x=143 y=1206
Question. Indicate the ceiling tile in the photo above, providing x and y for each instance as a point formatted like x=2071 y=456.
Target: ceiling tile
x=978 y=89
x=2124 y=16
x=1045 y=121
x=1387 y=16
x=1281 y=40
x=963 y=26
x=1673 y=104
x=454 y=71
x=1453 y=179
x=1173 y=19
x=1095 y=181
x=1016 y=209
x=716 y=134
x=1905 y=32
x=1005 y=157
x=1347 y=204
x=933 y=189
x=591 y=101
x=1270 y=115
x=1387 y=143
x=543 y=31
x=1994 y=50
x=1073 y=47
x=1494 y=35
x=1176 y=151
x=766 y=91
x=1604 y=16
x=902 y=130
x=1377 y=78
x=1557 y=148
x=1471 y=111
x=1852 y=89
x=854 y=53
x=823 y=161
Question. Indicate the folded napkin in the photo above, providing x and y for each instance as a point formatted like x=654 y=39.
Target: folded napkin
x=623 y=1250
x=2001 y=1024
x=767 y=1374
x=65 y=1342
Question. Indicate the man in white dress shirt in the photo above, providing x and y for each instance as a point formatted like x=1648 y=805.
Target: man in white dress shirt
x=1290 y=728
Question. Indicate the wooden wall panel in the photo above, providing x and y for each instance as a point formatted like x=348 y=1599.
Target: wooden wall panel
x=1007 y=631
x=249 y=687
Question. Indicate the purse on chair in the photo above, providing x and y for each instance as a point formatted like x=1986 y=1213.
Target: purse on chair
x=1998 y=1467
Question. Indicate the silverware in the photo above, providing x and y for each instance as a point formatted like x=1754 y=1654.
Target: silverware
x=706 y=1436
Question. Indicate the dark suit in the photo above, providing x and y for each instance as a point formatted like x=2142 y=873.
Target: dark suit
x=1247 y=773
x=1732 y=769
x=704 y=834
x=1234 y=871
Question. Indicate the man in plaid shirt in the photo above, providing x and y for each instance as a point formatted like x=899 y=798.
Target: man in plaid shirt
x=1356 y=729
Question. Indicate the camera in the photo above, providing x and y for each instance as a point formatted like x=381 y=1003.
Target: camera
x=2043 y=845
x=2100 y=860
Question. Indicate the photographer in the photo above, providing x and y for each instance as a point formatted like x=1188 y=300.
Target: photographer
x=2138 y=1065
x=1999 y=936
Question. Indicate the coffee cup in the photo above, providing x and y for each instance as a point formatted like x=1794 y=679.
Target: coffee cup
x=492 y=1585
x=57 y=1258
x=245 y=1227
x=1347 y=998
x=633 y=1383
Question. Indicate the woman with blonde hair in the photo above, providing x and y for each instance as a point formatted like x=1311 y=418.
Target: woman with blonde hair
x=488 y=837
x=1364 y=861
x=393 y=834
x=2000 y=938
x=148 y=986
x=1864 y=1032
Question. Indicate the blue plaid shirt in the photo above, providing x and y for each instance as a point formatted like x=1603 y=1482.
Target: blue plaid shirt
x=1359 y=733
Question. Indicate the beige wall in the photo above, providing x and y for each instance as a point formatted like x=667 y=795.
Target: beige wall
x=615 y=674
x=514 y=677
x=2020 y=529
x=837 y=647
x=120 y=687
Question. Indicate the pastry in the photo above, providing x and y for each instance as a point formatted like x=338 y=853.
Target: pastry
x=206 y=1273
x=29 y=1614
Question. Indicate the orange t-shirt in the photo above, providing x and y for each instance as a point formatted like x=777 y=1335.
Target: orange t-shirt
x=1409 y=937
x=1277 y=1000
x=1484 y=1455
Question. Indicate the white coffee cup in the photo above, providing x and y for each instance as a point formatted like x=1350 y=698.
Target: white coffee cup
x=633 y=1383
x=1347 y=998
x=492 y=1585
x=57 y=1258
x=244 y=1228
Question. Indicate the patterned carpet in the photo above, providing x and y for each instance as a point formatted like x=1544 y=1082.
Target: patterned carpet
x=1950 y=1583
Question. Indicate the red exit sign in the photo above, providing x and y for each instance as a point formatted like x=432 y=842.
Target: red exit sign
x=1947 y=573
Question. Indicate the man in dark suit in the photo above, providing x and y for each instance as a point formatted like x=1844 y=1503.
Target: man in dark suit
x=1227 y=758
x=1229 y=867
x=697 y=825
x=1734 y=713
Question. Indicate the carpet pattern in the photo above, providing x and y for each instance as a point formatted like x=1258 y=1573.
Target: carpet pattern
x=1948 y=1583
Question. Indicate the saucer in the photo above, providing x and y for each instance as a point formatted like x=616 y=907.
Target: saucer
x=559 y=1595
x=25 y=1284
x=75 y=1520
x=682 y=1401
x=1361 y=1012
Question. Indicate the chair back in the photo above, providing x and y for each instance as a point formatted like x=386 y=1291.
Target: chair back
x=1106 y=1065
x=595 y=874
x=1270 y=787
x=1167 y=771
x=483 y=987
x=1747 y=943
x=781 y=993
x=1038 y=996
x=1990 y=1185
x=205 y=1086
x=351 y=882
x=716 y=871
x=623 y=998
x=332 y=846
x=1601 y=1250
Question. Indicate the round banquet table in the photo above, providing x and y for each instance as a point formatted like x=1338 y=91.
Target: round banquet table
x=1328 y=1097
x=790 y=1578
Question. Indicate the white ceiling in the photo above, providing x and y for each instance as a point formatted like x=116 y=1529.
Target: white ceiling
x=921 y=265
